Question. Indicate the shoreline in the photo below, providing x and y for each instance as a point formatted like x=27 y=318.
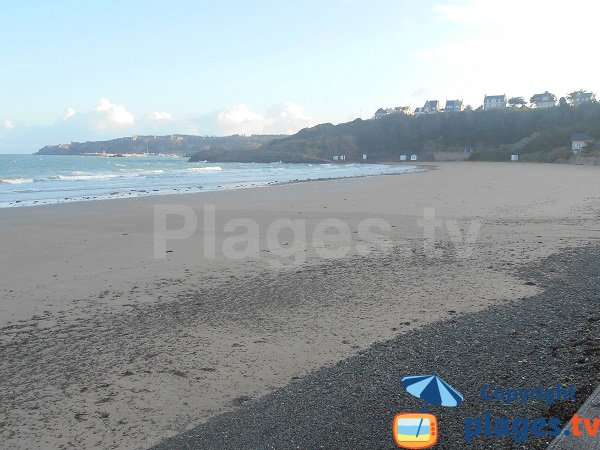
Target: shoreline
x=194 y=190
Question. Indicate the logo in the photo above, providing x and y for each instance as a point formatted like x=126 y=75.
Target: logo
x=420 y=430
x=520 y=429
x=415 y=430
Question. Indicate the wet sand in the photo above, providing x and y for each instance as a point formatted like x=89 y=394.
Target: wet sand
x=106 y=345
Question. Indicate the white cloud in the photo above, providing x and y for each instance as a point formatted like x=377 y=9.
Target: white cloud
x=69 y=112
x=517 y=47
x=160 y=116
x=286 y=118
x=111 y=115
x=241 y=120
x=289 y=118
x=8 y=124
x=519 y=14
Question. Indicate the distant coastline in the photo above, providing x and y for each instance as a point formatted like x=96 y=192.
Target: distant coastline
x=177 y=144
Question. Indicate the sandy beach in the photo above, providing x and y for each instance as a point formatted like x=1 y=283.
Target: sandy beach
x=107 y=344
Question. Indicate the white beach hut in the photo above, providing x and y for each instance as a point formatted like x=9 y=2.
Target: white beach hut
x=402 y=157
x=364 y=157
x=514 y=157
x=413 y=157
x=335 y=158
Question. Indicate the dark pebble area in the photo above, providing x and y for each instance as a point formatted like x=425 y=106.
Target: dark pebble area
x=553 y=337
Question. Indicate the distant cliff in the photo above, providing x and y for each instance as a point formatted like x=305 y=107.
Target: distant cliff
x=173 y=144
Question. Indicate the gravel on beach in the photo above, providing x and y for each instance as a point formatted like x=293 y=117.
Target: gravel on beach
x=552 y=337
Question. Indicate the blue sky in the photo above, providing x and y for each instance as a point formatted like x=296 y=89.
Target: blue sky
x=73 y=70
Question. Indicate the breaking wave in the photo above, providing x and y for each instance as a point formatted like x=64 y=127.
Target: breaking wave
x=80 y=177
x=16 y=180
x=204 y=169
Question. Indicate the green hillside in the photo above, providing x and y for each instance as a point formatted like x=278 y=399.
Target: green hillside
x=536 y=134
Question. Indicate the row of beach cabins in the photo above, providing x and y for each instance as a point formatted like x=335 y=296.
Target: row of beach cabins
x=412 y=157
x=578 y=142
x=539 y=101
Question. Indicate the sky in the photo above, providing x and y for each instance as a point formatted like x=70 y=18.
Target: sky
x=93 y=70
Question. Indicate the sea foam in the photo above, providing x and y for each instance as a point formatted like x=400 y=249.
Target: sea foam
x=16 y=180
x=204 y=169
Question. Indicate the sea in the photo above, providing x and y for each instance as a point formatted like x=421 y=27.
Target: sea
x=29 y=180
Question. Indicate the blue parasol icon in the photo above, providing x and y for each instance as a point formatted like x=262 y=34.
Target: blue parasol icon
x=432 y=389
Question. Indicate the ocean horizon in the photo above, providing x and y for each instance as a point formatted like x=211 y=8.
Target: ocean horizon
x=29 y=180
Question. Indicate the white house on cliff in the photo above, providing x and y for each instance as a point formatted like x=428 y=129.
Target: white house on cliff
x=545 y=100
x=495 y=101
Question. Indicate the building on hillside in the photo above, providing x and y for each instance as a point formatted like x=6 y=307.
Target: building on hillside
x=579 y=97
x=402 y=157
x=364 y=156
x=495 y=102
x=431 y=106
x=419 y=111
x=414 y=157
x=406 y=110
x=579 y=141
x=454 y=105
x=545 y=100
x=379 y=113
